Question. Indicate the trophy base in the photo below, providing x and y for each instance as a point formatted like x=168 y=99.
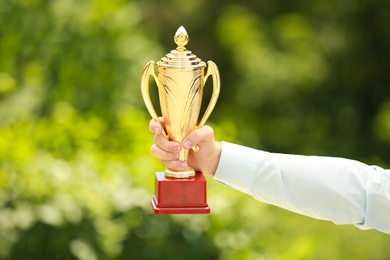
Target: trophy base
x=180 y=196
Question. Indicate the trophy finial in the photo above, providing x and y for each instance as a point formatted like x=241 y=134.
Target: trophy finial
x=181 y=38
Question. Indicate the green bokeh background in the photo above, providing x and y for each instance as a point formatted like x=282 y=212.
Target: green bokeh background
x=76 y=176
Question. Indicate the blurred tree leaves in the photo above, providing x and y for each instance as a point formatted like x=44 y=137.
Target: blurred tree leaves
x=75 y=171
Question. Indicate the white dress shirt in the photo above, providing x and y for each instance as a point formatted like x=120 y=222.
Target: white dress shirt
x=340 y=190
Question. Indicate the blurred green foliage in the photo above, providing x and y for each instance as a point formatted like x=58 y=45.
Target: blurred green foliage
x=76 y=177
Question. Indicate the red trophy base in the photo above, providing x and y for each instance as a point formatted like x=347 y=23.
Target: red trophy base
x=180 y=196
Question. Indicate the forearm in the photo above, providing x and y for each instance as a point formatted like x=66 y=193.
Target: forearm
x=335 y=189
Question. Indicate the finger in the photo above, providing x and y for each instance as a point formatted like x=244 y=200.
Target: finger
x=162 y=154
x=165 y=144
x=197 y=136
x=155 y=126
x=175 y=165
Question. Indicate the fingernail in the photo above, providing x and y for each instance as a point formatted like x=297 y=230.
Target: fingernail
x=187 y=144
x=184 y=165
x=177 y=148
x=157 y=130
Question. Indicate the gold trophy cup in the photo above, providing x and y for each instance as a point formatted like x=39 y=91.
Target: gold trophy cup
x=180 y=81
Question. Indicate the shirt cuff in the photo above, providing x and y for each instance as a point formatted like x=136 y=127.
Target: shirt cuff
x=237 y=166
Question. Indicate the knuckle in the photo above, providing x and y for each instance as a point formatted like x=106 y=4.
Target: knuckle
x=152 y=125
x=155 y=138
x=196 y=135
x=165 y=163
x=208 y=130
x=153 y=149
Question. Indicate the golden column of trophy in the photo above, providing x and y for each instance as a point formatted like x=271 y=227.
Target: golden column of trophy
x=180 y=81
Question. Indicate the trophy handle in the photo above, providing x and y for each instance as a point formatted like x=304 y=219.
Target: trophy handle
x=213 y=71
x=149 y=70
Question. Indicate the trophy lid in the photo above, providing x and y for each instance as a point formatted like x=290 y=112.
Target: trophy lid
x=181 y=58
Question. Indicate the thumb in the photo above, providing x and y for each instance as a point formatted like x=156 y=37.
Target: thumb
x=198 y=136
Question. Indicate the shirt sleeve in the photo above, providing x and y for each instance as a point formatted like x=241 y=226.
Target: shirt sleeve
x=340 y=190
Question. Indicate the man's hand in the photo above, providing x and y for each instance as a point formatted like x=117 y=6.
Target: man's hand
x=205 y=160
